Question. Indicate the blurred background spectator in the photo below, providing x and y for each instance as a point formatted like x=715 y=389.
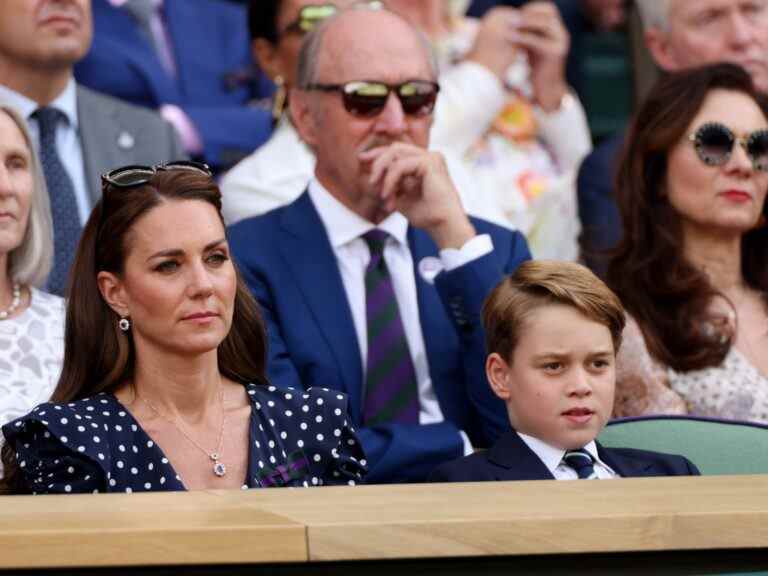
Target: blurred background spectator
x=692 y=268
x=581 y=18
x=278 y=171
x=188 y=60
x=79 y=133
x=678 y=34
x=31 y=321
x=506 y=110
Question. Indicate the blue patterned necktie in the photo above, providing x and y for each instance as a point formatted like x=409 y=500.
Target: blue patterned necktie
x=390 y=381
x=581 y=461
x=66 y=218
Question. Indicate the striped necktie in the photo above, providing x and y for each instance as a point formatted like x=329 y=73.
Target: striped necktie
x=582 y=462
x=390 y=380
x=66 y=217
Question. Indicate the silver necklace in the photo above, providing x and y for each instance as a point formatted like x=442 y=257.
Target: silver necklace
x=15 y=301
x=219 y=469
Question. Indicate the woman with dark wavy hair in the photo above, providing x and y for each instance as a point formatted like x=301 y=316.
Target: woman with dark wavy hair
x=692 y=269
x=163 y=385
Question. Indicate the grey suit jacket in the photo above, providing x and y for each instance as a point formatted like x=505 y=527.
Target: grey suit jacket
x=114 y=133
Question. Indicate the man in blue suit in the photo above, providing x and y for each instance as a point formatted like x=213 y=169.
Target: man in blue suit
x=372 y=281
x=189 y=60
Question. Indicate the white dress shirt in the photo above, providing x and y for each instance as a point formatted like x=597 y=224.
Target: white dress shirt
x=553 y=459
x=344 y=229
x=68 y=143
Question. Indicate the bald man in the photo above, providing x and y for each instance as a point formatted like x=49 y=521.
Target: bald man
x=372 y=281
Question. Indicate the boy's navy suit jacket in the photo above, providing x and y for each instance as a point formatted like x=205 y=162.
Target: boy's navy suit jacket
x=511 y=459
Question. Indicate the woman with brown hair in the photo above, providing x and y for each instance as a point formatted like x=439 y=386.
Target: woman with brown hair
x=692 y=269
x=163 y=385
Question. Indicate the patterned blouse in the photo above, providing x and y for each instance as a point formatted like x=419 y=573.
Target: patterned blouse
x=296 y=438
x=31 y=353
x=734 y=390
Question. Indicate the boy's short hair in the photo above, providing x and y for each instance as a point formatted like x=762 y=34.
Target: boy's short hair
x=545 y=282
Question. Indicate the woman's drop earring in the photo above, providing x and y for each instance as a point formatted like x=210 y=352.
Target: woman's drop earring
x=279 y=99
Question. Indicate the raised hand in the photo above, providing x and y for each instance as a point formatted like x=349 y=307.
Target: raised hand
x=416 y=183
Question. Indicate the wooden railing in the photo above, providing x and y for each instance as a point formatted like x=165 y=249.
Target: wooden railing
x=309 y=527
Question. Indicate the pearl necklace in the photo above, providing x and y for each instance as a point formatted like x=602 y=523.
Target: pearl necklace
x=15 y=301
x=219 y=469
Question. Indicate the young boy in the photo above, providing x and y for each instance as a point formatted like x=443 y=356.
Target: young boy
x=552 y=332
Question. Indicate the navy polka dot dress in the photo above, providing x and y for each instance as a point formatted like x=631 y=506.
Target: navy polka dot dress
x=297 y=438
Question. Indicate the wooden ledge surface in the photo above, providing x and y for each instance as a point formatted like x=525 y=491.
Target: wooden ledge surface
x=543 y=517
x=385 y=522
x=172 y=528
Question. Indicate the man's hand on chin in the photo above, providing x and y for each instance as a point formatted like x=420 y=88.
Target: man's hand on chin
x=416 y=183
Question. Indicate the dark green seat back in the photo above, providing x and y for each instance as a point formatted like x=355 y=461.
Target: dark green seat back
x=715 y=446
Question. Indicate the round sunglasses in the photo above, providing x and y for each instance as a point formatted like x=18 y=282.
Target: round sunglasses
x=714 y=143
x=368 y=98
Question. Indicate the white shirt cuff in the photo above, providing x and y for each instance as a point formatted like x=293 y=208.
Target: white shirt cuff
x=475 y=248
x=467 y=444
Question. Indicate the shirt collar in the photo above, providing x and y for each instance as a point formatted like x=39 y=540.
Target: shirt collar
x=551 y=456
x=343 y=225
x=66 y=102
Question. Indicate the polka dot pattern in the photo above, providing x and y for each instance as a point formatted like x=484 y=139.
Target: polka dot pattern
x=95 y=445
x=735 y=390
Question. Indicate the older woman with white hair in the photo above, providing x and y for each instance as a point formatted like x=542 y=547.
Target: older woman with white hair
x=31 y=321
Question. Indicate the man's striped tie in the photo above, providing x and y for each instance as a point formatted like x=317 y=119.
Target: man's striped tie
x=390 y=380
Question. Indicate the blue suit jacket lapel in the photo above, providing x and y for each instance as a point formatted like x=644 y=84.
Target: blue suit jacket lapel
x=515 y=461
x=139 y=52
x=185 y=24
x=624 y=466
x=308 y=254
x=435 y=325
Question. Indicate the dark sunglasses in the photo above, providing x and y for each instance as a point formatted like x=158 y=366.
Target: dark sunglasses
x=137 y=175
x=367 y=99
x=714 y=144
x=309 y=17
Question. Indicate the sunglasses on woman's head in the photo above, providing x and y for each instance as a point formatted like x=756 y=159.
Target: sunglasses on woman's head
x=138 y=175
x=309 y=17
x=714 y=145
x=313 y=14
x=367 y=99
